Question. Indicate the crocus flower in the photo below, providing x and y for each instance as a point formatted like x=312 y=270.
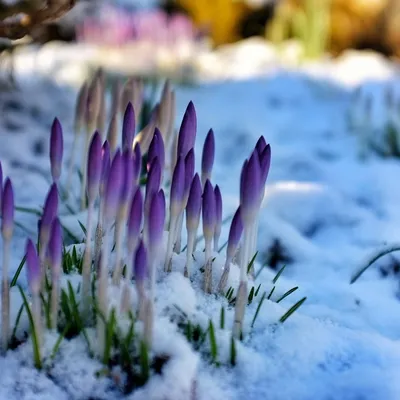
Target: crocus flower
x=156 y=149
x=94 y=167
x=80 y=108
x=56 y=149
x=187 y=131
x=265 y=163
x=55 y=257
x=140 y=263
x=153 y=182
x=207 y=159
x=33 y=268
x=175 y=207
x=49 y=213
x=250 y=189
x=156 y=220
x=128 y=128
x=135 y=219
x=105 y=166
x=193 y=209
x=209 y=220
x=127 y=182
x=7 y=224
x=261 y=145
x=113 y=188
x=112 y=133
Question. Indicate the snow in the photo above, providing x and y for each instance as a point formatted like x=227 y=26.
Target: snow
x=328 y=208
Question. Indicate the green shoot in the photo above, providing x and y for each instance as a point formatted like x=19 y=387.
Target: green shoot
x=250 y=266
x=288 y=293
x=258 y=309
x=251 y=295
x=37 y=359
x=144 y=361
x=233 y=352
x=292 y=310
x=110 y=329
x=18 y=272
x=222 y=318
x=213 y=343
x=278 y=275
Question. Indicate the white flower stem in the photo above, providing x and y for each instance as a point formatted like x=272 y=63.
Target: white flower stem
x=84 y=170
x=208 y=266
x=71 y=164
x=37 y=318
x=99 y=236
x=189 y=253
x=5 y=297
x=240 y=307
x=102 y=297
x=178 y=235
x=54 y=303
x=119 y=226
x=87 y=262
x=171 y=238
x=43 y=266
x=224 y=277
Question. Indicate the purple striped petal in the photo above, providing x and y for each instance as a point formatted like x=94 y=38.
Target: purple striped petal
x=56 y=149
x=33 y=267
x=94 y=167
x=187 y=131
x=209 y=212
x=128 y=128
x=7 y=223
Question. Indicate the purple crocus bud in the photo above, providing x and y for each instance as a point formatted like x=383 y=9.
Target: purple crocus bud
x=156 y=220
x=187 y=131
x=113 y=187
x=207 y=159
x=209 y=212
x=56 y=149
x=33 y=268
x=265 y=163
x=156 y=149
x=193 y=206
x=250 y=188
x=153 y=182
x=7 y=223
x=140 y=261
x=55 y=247
x=94 y=167
x=261 y=145
x=135 y=217
x=105 y=165
x=235 y=233
x=177 y=186
x=137 y=162
x=49 y=212
x=218 y=213
x=128 y=128
x=189 y=171
x=127 y=182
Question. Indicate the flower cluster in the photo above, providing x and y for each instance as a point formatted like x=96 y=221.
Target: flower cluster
x=140 y=183
x=116 y=27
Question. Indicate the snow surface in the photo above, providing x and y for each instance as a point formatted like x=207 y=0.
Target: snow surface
x=326 y=206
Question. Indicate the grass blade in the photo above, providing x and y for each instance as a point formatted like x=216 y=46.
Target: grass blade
x=288 y=293
x=36 y=351
x=278 y=275
x=251 y=262
x=213 y=342
x=18 y=272
x=233 y=352
x=258 y=308
x=292 y=310
x=222 y=318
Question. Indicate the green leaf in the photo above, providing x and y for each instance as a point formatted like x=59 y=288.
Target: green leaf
x=292 y=310
x=377 y=256
x=258 y=289
x=213 y=342
x=251 y=262
x=278 y=275
x=18 y=272
x=37 y=360
x=29 y=210
x=110 y=329
x=251 y=295
x=222 y=318
x=233 y=352
x=144 y=361
x=258 y=309
x=14 y=332
x=270 y=293
x=82 y=227
x=59 y=341
x=289 y=292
